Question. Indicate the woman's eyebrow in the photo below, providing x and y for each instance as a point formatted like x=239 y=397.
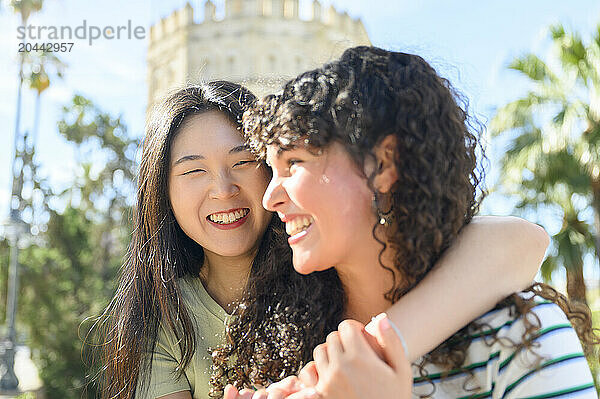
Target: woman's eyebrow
x=194 y=157
x=240 y=148
x=188 y=158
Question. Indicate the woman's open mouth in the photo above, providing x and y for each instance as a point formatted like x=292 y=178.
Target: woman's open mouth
x=297 y=228
x=229 y=219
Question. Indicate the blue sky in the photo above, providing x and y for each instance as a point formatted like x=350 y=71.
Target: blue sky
x=470 y=42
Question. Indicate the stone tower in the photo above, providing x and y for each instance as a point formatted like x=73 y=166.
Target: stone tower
x=259 y=43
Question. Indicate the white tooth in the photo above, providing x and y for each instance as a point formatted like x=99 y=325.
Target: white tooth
x=218 y=217
x=238 y=214
x=306 y=221
x=226 y=218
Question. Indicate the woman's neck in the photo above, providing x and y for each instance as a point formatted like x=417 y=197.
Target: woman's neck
x=225 y=278
x=366 y=282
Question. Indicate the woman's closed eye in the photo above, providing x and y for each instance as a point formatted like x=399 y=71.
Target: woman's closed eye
x=245 y=162
x=293 y=162
x=192 y=171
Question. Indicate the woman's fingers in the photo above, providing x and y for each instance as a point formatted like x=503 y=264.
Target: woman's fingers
x=308 y=375
x=307 y=393
x=284 y=388
x=335 y=348
x=246 y=394
x=231 y=392
x=369 y=333
x=353 y=339
x=321 y=357
x=261 y=394
x=392 y=346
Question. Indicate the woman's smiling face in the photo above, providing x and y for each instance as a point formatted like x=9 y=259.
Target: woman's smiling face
x=325 y=203
x=216 y=186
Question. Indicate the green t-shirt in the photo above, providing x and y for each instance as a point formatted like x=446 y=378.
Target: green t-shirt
x=210 y=320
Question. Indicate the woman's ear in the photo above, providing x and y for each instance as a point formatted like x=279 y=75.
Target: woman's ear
x=387 y=173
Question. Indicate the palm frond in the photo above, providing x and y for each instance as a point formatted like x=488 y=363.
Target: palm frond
x=534 y=68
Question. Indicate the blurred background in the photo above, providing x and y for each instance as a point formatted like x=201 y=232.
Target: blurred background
x=72 y=122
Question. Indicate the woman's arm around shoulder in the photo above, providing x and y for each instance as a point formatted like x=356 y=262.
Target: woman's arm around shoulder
x=492 y=258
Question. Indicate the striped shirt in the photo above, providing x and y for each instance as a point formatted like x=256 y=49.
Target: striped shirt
x=498 y=371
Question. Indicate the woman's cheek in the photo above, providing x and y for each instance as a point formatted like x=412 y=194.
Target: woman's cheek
x=303 y=191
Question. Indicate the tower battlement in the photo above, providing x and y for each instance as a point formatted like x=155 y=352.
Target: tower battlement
x=178 y=19
x=259 y=43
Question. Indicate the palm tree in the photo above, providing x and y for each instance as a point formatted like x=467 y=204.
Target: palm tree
x=44 y=66
x=570 y=244
x=25 y=8
x=553 y=158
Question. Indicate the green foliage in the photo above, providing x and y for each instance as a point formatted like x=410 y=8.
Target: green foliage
x=69 y=274
x=43 y=67
x=26 y=395
x=25 y=8
x=552 y=163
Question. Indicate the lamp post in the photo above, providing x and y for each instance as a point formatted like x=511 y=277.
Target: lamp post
x=15 y=231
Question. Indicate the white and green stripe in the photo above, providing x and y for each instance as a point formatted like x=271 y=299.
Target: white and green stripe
x=499 y=371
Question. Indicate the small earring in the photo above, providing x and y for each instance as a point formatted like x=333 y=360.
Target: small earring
x=385 y=217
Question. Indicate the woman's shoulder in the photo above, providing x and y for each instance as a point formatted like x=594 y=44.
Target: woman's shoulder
x=537 y=351
x=543 y=313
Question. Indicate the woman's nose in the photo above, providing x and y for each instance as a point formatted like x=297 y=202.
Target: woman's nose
x=224 y=187
x=274 y=196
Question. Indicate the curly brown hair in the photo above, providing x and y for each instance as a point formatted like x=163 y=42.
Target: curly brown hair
x=358 y=100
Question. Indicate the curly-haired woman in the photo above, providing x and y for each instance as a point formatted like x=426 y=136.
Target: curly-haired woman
x=203 y=242
x=375 y=175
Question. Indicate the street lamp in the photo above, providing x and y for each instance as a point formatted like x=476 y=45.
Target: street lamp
x=15 y=231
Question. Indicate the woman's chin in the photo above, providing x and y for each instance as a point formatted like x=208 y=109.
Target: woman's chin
x=302 y=269
x=308 y=266
x=303 y=266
